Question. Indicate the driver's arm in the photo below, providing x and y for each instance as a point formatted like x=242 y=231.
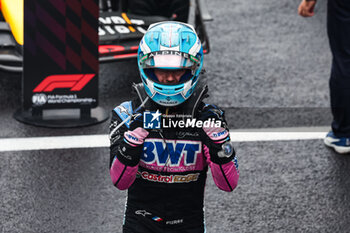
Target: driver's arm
x=126 y=145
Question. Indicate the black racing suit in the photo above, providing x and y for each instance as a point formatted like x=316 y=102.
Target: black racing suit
x=166 y=183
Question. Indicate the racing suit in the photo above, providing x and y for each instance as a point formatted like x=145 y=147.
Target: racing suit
x=166 y=181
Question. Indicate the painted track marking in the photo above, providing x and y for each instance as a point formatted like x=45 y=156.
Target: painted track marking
x=97 y=141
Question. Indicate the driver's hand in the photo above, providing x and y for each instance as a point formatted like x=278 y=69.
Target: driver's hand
x=215 y=137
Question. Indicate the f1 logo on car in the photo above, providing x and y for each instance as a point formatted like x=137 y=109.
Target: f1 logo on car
x=151 y=120
x=75 y=82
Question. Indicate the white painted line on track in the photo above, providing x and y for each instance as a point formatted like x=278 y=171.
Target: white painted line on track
x=278 y=134
x=275 y=136
x=96 y=141
x=53 y=142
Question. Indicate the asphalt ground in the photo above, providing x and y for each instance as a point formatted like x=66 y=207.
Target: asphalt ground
x=268 y=68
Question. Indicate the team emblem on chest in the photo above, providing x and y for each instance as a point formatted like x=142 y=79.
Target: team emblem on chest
x=172 y=153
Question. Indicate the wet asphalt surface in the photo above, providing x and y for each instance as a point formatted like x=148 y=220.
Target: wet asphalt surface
x=268 y=68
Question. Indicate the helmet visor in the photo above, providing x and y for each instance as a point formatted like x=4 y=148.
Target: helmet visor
x=169 y=60
x=169 y=76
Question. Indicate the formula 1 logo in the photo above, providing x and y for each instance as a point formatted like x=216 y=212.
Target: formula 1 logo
x=151 y=120
x=75 y=82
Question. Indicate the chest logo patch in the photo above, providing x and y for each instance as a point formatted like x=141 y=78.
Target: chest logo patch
x=173 y=153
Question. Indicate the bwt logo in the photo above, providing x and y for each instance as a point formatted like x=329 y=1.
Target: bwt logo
x=157 y=151
x=75 y=82
x=151 y=120
x=132 y=137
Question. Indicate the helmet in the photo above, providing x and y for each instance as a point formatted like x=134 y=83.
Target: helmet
x=170 y=45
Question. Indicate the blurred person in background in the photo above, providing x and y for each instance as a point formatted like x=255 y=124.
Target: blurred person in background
x=338 y=27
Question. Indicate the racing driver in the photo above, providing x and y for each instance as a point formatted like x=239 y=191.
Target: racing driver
x=164 y=139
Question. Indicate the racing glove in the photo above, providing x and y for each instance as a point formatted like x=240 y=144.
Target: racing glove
x=130 y=148
x=217 y=139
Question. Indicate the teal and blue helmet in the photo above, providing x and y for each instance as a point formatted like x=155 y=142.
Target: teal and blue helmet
x=170 y=45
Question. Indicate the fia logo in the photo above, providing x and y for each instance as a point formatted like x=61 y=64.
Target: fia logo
x=39 y=99
x=151 y=120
